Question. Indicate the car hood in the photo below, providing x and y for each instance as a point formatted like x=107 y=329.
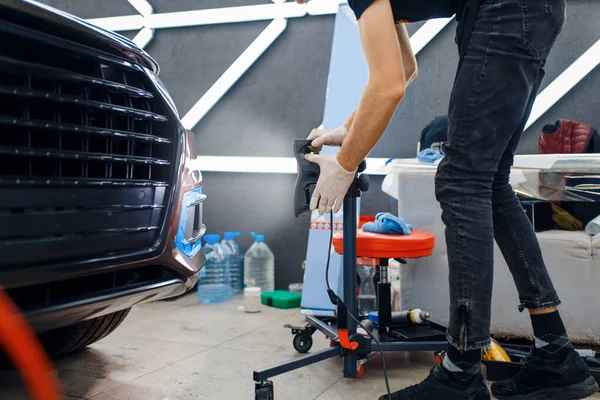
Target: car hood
x=59 y=23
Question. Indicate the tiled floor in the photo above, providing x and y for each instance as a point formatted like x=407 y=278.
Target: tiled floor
x=184 y=350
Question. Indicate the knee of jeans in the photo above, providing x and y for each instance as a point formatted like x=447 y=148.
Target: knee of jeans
x=500 y=186
x=447 y=182
x=442 y=184
x=502 y=191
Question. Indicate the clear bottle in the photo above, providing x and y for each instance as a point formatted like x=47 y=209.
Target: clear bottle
x=214 y=285
x=367 y=299
x=394 y=279
x=259 y=265
x=235 y=259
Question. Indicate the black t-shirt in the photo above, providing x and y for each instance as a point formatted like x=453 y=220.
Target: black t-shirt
x=413 y=10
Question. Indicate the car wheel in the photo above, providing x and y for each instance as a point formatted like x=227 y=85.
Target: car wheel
x=82 y=334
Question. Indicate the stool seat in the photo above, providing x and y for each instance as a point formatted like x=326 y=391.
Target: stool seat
x=379 y=245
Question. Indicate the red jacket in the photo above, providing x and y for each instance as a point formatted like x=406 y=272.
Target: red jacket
x=566 y=137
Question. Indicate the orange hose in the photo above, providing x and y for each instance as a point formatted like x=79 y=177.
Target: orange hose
x=26 y=353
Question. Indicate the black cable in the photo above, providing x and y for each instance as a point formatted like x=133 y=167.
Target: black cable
x=387 y=384
x=329 y=289
x=329 y=250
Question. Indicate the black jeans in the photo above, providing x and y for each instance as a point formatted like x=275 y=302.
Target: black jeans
x=496 y=84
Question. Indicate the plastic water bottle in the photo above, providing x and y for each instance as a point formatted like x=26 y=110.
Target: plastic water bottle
x=214 y=285
x=367 y=299
x=259 y=265
x=235 y=260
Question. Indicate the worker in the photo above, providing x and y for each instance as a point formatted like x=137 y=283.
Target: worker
x=503 y=46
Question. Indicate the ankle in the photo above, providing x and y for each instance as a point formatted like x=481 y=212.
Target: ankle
x=551 y=339
x=542 y=311
x=463 y=366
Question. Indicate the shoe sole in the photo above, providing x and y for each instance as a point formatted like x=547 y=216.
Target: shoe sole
x=576 y=391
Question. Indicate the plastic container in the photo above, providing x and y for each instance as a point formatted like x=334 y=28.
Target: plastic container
x=413 y=184
x=367 y=297
x=281 y=299
x=235 y=260
x=593 y=227
x=214 y=285
x=252 y=299
x=259 y=265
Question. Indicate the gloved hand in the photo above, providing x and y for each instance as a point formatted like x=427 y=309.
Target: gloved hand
x=332 y=185
x=329 y=137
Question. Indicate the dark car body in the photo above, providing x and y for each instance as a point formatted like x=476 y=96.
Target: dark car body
x=100 y=203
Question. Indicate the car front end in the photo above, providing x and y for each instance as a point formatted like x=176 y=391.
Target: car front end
x=101 y=205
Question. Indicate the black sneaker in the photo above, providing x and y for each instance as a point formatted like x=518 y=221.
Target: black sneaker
x=439 y=386
x=540 y=379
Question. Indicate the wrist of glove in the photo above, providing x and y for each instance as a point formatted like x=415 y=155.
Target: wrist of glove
x=342 y=131
x=333 y=184
x=329 y=137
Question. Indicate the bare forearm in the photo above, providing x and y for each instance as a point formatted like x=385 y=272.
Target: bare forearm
x=409 y=64
x=409 y=61
x=376 y=109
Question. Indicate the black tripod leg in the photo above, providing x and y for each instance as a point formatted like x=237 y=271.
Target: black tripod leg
x=349 y=279
x=264 y=374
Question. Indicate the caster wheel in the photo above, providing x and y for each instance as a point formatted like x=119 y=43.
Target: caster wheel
x=360 y=372
x=264 y=391
x=301 y=344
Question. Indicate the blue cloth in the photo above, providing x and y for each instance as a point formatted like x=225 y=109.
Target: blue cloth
x=429 y=155
x=388 y=223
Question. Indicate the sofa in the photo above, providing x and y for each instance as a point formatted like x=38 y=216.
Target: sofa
x=572 y=258
x=573 y=261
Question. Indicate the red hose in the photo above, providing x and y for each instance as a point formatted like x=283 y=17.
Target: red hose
x=20 y=344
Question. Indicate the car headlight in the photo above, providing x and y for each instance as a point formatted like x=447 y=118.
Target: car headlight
x=163 y=91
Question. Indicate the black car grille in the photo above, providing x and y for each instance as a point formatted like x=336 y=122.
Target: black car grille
x=86 y=151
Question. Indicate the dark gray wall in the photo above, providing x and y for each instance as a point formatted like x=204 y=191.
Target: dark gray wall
x=282 y=97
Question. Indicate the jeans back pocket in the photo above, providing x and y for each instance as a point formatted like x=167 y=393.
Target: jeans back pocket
x=543 y=21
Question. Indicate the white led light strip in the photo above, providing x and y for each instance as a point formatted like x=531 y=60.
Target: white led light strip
x=142 y=6
x=143 y=37
x=427 y=32
x=266 y=165
x=213 y=16
x=119 y=24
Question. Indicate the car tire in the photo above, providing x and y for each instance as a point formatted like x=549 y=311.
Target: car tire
x=80 y=335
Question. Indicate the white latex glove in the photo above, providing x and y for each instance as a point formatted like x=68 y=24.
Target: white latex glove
x=329 y=137
x=332 y=185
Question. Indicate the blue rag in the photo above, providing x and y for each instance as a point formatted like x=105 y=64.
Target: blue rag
x=388 y=223
x=429 y=155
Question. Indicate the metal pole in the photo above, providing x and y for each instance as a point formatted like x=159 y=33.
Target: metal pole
x=292 y=365
x=349 y=277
